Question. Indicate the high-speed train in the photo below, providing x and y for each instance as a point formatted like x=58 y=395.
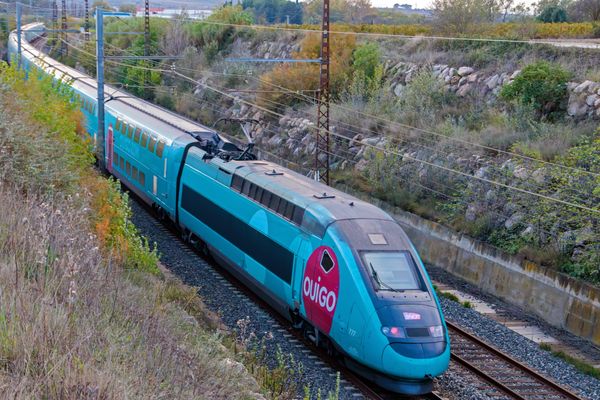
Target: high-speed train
x=339 y=268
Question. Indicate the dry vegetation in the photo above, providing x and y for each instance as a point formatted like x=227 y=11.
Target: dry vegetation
x=84 y=311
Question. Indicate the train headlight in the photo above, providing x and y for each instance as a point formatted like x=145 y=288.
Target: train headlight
x=436 y=331
x=393 y=331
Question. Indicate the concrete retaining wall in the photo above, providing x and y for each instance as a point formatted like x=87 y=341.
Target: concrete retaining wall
x=557 y=298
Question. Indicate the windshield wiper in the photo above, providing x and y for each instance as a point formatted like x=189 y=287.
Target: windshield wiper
x=379 y=282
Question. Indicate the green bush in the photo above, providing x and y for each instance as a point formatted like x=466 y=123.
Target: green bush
x=552 y=14
x=542 y=85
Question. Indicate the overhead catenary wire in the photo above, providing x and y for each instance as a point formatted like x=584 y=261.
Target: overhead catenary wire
x=389 y=151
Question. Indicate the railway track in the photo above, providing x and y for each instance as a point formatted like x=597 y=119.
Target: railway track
x=504 y=376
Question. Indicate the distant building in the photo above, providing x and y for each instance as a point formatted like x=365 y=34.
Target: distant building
x=172 y=13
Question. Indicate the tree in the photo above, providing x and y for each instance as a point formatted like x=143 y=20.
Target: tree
x=461 y=15
x=584 y=10
x=101 y=4
x=553 y=14
x=129 y=8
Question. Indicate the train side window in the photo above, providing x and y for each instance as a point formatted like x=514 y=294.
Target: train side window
x=122 y=164
x=142 y=178
x=282 y=206
x=259 y=194
x=236 y=182
x=115 y=159
x=298 y=215
x=136 y=137
x=151 y=143
x=266 y=198
x=160 y=147
x=289 y=211
x=124 y=128
x=274 y=203
x=246 y=187
x=127 y=168
x=252 y=192
x=118 y=125
x=134 y=173
x=144 y=138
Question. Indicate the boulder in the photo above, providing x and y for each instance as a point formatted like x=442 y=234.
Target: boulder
x=464 y=90
x=591 y=99
x=464 y=71
x=472 y=78
x=582 y=86
x=577 y=109
x=398 y=90
x=515 y=74
x=513 y=220
x=492 y=82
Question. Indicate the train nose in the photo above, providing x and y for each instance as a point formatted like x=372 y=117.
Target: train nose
x=425 y=359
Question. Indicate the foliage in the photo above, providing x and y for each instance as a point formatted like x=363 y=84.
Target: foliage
x=305 y=76
x=553 y=14
x=541 y=84
x=462 y=15
x=350 y=11
x=422 y=99
x=274 y=11
x=212 y=37
x=366 y=59
x=130 y=8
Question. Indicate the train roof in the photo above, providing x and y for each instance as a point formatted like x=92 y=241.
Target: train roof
x=304 y=191
x=164 y=122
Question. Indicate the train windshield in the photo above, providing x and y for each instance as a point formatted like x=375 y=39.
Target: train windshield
x=394 y=271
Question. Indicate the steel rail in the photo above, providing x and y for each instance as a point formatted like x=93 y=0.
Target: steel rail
x=529 y=372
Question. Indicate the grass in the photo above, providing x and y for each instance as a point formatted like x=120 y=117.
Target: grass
x=449 y=296
x=581 y=366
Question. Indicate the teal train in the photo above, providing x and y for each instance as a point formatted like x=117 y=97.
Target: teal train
x=339 y=268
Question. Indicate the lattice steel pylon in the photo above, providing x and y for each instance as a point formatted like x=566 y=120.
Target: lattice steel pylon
x=322 y=151
x=54 y=20
x=64 y=50
x=86 y=14
x=146 y=28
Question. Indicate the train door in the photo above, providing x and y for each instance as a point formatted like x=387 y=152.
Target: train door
x=109 y=148
x=303 y=251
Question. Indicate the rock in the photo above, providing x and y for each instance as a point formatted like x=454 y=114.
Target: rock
x=527 y=231
x=513 y=220
x=472 y=78
x=464 y=90
x=462 y=81
x=515 y=74
x=454 y=79
x=464 y=71
x=361 y=165
x=593 y=88
x=447 y=78
x=521 y=173
x=597 y=103
x=491 y=196
x=591 y=99
x=492 y=82
x=471 y=213
x=452 y=72
x=576 y=109
x=572 y=85
x=482 y=172
x=539 y=176
x=583 y=86
x=398 y=90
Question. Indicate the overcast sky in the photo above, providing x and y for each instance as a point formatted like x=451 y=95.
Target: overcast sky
x=417 y=3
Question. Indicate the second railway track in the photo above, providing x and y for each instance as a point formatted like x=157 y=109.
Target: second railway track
x=504 y=376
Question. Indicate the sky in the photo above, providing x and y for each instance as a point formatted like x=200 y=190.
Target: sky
x=418 y=3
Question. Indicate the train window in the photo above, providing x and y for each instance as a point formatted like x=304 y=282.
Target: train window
x=134 y=173
x=118 y=125
x=115 y=159
x=127 y=168
x=144 y=138
x=236 y=182
x=298 y=214
x=282 y=206
x=259 y=194
x=151 y=143
x=160 y=147
x=392 y=270
x=136 y=137
x=122 y=164
x=142 y=178
x=252 y=192
x=289 y=211
x=124 y=128
x=266 y=198
x=274 y=203
x=246 y=187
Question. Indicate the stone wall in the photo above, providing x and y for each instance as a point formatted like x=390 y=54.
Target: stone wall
x=584 y=97
x=560 y=300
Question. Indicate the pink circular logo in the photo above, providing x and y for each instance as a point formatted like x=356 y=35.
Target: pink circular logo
x=320 y=287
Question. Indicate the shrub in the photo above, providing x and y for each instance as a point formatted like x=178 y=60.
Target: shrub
x=553 y=13
x=542 y=85
x=366 y=59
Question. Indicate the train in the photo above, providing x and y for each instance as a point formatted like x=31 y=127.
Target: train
x=339 y=268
